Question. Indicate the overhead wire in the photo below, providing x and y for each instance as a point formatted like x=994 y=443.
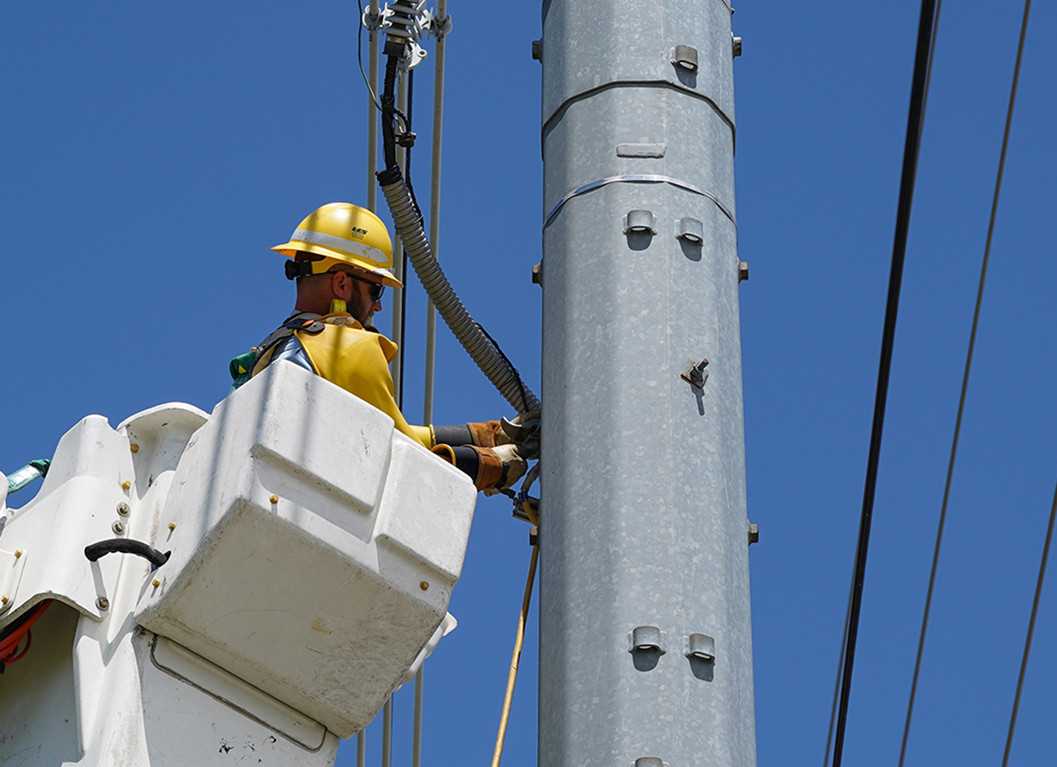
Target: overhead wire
x=965 y=385
x=836 y=686
x=1053 y=506
x=1031 y=627
x=906 y=196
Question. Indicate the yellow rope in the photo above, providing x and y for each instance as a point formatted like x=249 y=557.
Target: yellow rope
x=517 y=657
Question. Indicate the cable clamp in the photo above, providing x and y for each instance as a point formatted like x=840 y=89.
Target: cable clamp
x=440 y=27
x=372 y=21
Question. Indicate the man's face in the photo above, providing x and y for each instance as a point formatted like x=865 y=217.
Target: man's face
x=360 y=304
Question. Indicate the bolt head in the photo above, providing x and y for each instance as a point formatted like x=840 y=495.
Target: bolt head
x=172 y=525
x=274 y=499
x=155 y=583
x=126 y=485
x=123 y=509
x=102 y=603
x=4 y=600
x=134 y=448
x=424 y=585
x=18 y=553
x=118 y=527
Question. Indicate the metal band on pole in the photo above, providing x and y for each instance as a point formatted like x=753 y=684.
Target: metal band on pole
x=639 y=179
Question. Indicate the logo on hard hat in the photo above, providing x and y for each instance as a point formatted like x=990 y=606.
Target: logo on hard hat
x=358 y=233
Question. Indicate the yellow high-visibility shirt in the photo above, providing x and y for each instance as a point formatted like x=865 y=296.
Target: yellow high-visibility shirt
x=358 y=360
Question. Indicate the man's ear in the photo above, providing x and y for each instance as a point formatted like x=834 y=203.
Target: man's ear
x=341 y=285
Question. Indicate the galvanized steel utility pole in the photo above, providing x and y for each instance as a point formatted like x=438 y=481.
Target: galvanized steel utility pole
x=645 y=640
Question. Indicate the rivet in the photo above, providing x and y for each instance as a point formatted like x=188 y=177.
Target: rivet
x=18 y=553
x=155 y=583
x=118 y=527
x=123 y=509
x=126 y=484
x=102 y=603
x=424 y=585
x=172 y=525
x=274 y=499
x=134 y=448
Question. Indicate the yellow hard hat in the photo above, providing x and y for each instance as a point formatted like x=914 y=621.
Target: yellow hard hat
x=344 y=234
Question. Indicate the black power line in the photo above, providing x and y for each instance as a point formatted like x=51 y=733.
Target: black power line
x=958 y=419
x=1053 y=507
x=906 y=197
x=1031 y=626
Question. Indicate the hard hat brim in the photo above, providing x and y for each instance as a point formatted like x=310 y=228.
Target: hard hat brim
x=384 y=276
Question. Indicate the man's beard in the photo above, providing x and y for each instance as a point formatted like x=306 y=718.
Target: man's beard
x=359 y=306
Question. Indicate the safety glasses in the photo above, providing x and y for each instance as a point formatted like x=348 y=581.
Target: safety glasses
x=374 y=289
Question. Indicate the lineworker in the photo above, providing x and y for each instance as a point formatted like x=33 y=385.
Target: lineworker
x=341 y=257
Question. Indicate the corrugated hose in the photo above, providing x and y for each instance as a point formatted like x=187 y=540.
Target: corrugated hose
x=485 y=352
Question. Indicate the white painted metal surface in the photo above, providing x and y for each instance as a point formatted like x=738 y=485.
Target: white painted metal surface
x=313 y=545
x=285 y=624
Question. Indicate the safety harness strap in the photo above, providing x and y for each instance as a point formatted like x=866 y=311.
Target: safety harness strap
x=242 y=366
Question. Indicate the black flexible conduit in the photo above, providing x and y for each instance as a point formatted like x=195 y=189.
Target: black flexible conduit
x=906 y=197
x=408 y=220
x=124 y=546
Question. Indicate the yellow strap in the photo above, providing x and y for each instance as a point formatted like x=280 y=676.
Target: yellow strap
x=517 y=657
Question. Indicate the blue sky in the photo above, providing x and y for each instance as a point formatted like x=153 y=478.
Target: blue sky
x=151 y=154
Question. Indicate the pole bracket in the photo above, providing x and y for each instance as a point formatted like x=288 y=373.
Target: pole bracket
x=694 y=373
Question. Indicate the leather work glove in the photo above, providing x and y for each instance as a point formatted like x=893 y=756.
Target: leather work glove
x=499 y=468
x=504 y=432
x=485 y=433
